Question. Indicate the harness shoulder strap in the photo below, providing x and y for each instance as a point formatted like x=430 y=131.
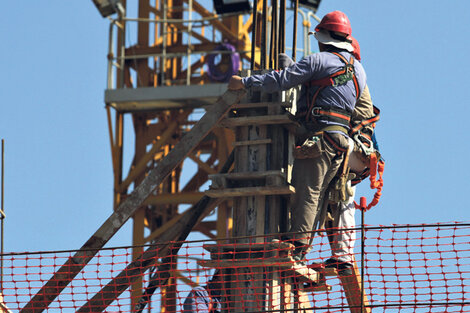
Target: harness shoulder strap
x=340 y=77
x=350 y=66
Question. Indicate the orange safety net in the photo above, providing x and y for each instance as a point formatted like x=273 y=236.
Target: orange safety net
x=406 y=268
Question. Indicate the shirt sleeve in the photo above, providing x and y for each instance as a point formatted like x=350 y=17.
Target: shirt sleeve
x=197 y=301
x=363 y=110
x=296 y=74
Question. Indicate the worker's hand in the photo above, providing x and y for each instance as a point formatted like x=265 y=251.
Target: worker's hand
x=235 y=83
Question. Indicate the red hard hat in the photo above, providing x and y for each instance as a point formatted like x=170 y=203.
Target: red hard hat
x=335 y=21
x=357 y=48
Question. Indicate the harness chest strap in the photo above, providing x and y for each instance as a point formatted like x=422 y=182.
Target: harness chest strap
x=340 y=77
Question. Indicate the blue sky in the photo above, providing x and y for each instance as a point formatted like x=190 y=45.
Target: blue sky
x=58 y=172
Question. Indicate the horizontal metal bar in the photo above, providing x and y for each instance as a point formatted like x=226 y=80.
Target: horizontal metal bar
x=340 y=307
x=177 y=54
x=205 y=241
x=179 y=21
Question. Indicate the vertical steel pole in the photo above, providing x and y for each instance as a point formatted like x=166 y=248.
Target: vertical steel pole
x=190 y=29
x=253 y=34
x=274 y=36
x=3 y=216
x=164 y=43
x=363 y=204
x=264 y=54
x=271 y=39
x=294 y=41
x=282 y=27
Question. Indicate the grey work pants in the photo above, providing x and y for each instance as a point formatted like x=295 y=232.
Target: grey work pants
x=311 y=177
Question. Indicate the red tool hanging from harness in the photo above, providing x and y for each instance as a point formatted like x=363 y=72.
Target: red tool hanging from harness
x=376 y=167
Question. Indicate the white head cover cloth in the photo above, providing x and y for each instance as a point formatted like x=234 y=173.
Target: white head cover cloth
x=324 y=37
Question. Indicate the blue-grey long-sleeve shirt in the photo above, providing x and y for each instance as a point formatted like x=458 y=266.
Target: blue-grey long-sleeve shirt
x=199 y=301
x=313 y=67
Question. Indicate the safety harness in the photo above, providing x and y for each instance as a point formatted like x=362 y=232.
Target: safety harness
x=376 y=164
x=362 y=139
x=339 y=116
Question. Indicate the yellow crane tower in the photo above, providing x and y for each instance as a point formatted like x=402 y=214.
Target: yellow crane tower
x=159 y=81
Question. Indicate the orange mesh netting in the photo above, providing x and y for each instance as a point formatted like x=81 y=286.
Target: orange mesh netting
x=407 y=268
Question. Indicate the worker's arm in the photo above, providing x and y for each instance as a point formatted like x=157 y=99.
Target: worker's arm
x=363 y=110
x=294 y=75
x=236 y=83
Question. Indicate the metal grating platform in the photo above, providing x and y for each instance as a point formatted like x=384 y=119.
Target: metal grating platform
x=163 y=98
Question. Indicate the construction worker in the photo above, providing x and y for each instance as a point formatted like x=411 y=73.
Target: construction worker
x=331 y=84
x=205 y=299
x=343 y=213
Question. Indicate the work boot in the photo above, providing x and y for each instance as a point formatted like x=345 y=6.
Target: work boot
x=299 y=252
x=343 y=268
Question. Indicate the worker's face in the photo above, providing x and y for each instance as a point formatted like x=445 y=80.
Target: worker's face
x=321 y=47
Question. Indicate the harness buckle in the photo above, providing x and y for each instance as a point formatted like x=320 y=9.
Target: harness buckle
x=316 y=111
x=364 y=143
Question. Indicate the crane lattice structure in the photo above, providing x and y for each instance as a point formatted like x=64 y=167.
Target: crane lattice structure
x=159 y=82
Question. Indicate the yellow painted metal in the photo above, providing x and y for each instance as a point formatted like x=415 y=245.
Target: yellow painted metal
x=202 y=165
x=226 y=32
x=165 y=64
x=142 y=164
x=165 y=227
x=118 y=155
x=111 y=137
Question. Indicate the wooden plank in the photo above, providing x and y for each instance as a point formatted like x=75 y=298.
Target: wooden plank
x=249 y=175
x=254 y=105
x=257 y=120
x=250 y=191
x=287 y=300
x=240 y=217
x=279 y=262
x=275 y=292
x=352 y=288
x=249 y=246
x=329 y=271
x=252 y=142
x=318 y=288
x=304 y=273
x=287 y=265
x=174 y=198
x=126 y=209
x=303 y=302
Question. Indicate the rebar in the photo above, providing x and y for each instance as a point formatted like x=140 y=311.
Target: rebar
x=294 y=39
x=253 y=34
